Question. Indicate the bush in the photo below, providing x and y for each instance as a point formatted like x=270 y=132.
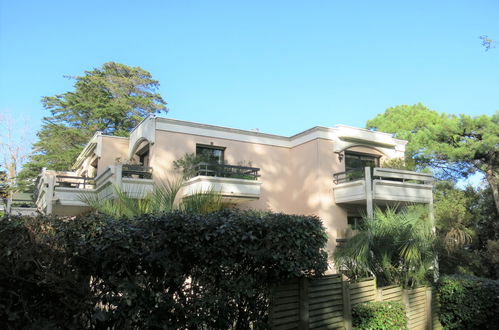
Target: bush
x=379 y=315
x=397 y=247
x=468 y=302
x=174 y=270
x=38 y=288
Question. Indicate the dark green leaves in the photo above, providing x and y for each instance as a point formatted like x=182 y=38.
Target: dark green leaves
x=169 y=271
x=112 y=99
x=379 y=315
x=468 y=302
x=453 y=146
x=396 y=247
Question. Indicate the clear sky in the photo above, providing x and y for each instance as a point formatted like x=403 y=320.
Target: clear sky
x=279 y=66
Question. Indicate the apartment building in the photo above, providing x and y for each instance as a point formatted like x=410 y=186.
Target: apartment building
x=334 y=173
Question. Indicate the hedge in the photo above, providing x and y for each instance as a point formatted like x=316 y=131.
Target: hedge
x=468 y=302
x=379 y=315
x=174 y=270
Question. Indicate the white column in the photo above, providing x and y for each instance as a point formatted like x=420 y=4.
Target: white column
x=369 y=192
x=50 y=194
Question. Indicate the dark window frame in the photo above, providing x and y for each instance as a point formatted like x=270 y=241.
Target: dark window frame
x=143 y=154
x=358 y=155
x=355 y=221
x=212 y=147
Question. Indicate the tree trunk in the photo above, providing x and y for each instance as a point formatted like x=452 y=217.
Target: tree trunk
x=492 y=179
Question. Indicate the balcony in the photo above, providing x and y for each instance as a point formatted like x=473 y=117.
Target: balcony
x=64 y=193
x=236 y=184
x=383 y=186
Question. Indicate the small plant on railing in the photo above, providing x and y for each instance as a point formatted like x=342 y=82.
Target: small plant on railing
x=191 y=165
x=241 y=172
x=188 y=164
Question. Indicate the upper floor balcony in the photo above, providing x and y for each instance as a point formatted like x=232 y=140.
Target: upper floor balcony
x=64 y=193
x=383 y=186
x=235 y=183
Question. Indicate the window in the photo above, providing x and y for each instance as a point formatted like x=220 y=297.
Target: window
x=355 y=222
x=357 y=160
x=143 y=154
x=211 y=154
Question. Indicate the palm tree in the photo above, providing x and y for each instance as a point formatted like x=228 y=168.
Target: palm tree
x=162 y=199
x=395 y=247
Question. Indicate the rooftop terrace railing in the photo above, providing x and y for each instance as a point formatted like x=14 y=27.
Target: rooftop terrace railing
x=387 y=174
x=227 y=171
x=139 y=171
x=77 y=182
x=348 y=176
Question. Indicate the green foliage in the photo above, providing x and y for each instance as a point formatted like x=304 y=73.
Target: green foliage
x=467 y=228
x=169 y=271
x=112 y=99
x=454 y=146
x=453 y=217
x=38 y=289
x=187 y=165
x=468 y=302
x=405 y=121
x=396 y=247
x=203 y=202
x=379 y=315
x=162 y=199
x=399 y=163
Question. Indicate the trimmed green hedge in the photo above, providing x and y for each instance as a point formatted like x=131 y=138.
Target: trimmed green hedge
x=468 y=302
x=379 y=315
x=174 y=270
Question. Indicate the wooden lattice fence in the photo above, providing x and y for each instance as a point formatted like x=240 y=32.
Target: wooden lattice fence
x=326 y=303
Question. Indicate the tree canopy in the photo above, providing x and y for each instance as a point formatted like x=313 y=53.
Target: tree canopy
x=112 y=99
x=454 y=146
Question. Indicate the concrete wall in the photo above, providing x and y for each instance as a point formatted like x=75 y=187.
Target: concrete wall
x=296 y=172
x=273 y=161
x=112 y=148
x=297 y=180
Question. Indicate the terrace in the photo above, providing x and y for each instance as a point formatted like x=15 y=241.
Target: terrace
x=63 y=193
x=383 y=186
x=235 y=183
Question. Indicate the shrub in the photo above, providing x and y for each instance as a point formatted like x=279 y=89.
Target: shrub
x=468 y=302
x=173 y=270
x=38 y=288
x=379 y=315
x=397 y=247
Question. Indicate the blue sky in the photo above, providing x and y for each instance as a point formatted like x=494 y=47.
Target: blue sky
x=279 y=66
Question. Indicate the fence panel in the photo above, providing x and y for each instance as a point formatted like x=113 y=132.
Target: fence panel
x=435 y=311
x=326 y=302
x=363 y=291
x=417 y=308
x=285 y=306
x=390 y=293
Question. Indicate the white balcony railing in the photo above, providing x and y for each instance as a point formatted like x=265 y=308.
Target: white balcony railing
x=235 y=183
x=232 y=190
x=383 y=186
x=64 y=193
